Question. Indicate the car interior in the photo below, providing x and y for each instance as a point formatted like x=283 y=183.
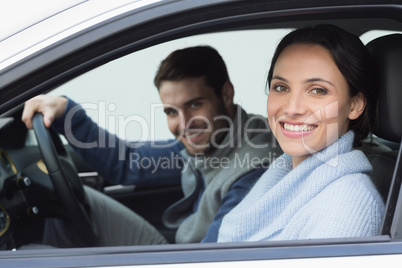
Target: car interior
x=387 y=53
x=30 y=164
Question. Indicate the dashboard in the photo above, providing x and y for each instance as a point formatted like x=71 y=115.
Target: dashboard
x=11 y=198
x=21 y=181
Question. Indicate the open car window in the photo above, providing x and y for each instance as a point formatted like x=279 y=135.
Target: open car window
x=121 y=97
x=124 y=87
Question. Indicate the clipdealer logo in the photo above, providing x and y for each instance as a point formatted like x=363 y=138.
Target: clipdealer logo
x=120 y=123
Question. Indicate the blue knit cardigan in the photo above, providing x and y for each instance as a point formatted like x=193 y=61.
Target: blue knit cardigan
x=328 y=195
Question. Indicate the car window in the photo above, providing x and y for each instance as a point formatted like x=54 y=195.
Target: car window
x=373 y=34
x=121 y=97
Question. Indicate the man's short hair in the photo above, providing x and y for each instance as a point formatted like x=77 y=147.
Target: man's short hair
x=194 y=62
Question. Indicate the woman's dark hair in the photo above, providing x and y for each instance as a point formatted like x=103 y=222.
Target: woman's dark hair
x=352 y=59
x=194 y=62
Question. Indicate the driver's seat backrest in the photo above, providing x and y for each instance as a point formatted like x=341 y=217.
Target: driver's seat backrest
x=386 y=52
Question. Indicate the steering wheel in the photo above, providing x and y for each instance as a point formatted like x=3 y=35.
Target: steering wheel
x=70 y=194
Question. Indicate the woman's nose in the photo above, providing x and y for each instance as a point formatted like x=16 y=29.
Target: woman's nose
x=295 y=105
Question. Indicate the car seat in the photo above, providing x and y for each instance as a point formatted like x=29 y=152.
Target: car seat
x=387 y=173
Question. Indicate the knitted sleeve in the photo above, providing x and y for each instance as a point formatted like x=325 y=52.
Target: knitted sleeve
x=349 y=207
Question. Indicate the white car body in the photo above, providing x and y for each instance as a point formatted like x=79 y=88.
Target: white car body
x=40 y=33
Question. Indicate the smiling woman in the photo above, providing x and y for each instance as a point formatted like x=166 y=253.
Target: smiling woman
x=318 y=188
x=308 y=104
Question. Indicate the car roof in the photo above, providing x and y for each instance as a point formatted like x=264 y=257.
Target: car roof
x=57 y=20
x=30 y=13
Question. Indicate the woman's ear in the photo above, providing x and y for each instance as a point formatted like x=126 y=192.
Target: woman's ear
x=357 y=107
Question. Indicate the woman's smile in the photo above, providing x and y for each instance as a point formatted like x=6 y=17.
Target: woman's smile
x=296 y=130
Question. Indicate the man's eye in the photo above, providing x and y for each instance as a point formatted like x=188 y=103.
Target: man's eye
x=280 y=88
x=195 y=104
x=319 y=91
x=170 y=111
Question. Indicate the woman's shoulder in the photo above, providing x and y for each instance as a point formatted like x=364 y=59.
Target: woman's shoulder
x=356 y=187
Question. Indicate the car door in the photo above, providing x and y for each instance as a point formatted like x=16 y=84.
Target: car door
x=120 y=33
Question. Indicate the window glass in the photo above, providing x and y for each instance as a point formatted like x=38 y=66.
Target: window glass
x=122 y=98
x=373 y=34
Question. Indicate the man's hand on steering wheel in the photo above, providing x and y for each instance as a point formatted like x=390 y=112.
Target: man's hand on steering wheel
x=51 y=107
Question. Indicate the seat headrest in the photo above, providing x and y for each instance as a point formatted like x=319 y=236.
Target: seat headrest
x=387 y=54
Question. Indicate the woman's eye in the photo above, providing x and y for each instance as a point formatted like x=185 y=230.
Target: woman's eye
x=319 y=91
x=280 y=88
